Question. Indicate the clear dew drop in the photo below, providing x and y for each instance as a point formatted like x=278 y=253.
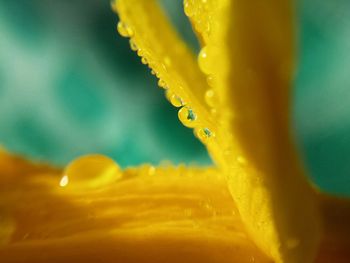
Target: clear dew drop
x=210 y=80
x=140 y=52
x=175 y=100
x=187 y=116
x=133 y=46
x=144 y=60
x=161 y=83
x=210 y=98
x=124 y=30
x=204 y=134
x=91 y=171
x=203 y=60
x=64 y=181
x=189 y=8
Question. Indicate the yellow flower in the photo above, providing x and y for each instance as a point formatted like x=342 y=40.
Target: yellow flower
x=255 y=205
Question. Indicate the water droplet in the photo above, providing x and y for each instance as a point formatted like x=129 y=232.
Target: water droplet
x=210 y=80
x=133 y=46
x=64 y=181
x=140 y=52
x=124 y=30
x=161 y=83
x=203 y=60
x=144 y=60
x=204 y=134
x=91 y=171
x=187 y=116
x=211 y=98
x=189 y=8
x=175 y=100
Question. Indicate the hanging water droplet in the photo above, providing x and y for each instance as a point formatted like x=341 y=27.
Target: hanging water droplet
x=64 y=181
x=203 y=62
x=140 y=52
x=187 y=116
x=90 y=171
x=210 y=98
x=210 y=80
x=144 y=60
x=175 y=100
x=133 y=46
x=189 y=8
x=161 y=83
x=204 y=134
x=124 y=30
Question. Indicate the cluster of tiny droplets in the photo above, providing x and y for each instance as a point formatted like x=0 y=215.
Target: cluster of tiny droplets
x=186 y=114
x=199 y=13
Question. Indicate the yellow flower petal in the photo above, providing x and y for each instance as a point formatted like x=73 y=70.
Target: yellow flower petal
x=156 y=41
x=282 y=212
x=145 y=214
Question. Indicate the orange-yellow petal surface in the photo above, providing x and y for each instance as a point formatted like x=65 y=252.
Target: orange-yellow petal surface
x=145 y=214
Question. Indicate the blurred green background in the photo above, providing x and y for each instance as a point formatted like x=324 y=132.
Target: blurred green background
x=69 y=85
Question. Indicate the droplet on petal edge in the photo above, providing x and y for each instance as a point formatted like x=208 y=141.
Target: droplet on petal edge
x=133 y=46
x=124 y=30
x=64 y=181
x=91 y=171
x=203 y=62
x=210 y=98
x=175 y=100
x=162 y=84
x=189 y=8
x=187 y=116
x=144 y=60
x=204 y=134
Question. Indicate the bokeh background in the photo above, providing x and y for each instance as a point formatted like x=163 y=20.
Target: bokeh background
x=69 y=85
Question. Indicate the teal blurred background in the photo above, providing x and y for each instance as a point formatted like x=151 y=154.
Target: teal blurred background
x=69 y=85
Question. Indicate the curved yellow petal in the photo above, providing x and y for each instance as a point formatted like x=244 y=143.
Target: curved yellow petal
x=261 y=46
x=252 y=44
x=144 y=214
